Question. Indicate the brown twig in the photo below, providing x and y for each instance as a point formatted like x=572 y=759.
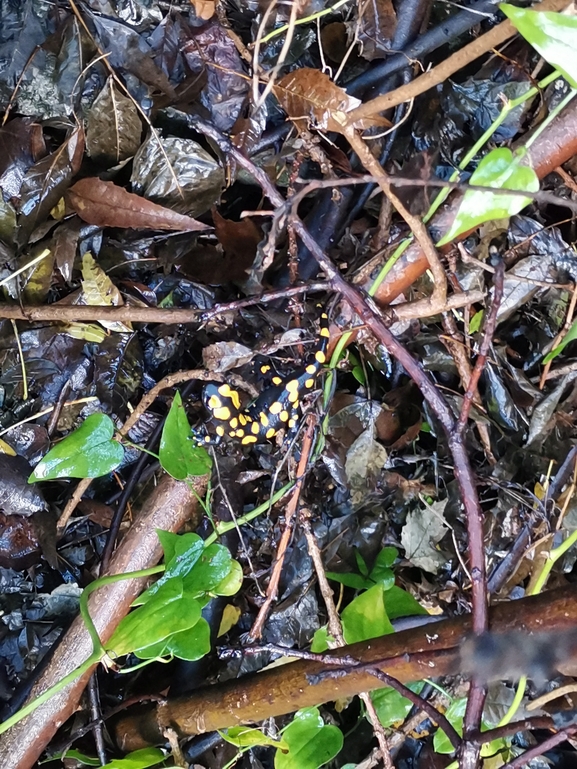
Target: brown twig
x=453 y=341
x=488 y=332
x=336 y=630
x=543 y=747
x=126 y=314
x=290 y=517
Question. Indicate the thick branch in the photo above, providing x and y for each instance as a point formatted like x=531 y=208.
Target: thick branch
x=429 y=651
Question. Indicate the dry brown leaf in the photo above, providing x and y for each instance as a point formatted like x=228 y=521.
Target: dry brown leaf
x=239 y=240
x=309 y=96
x=376 y=28
x=204 y=9
x=107 y=205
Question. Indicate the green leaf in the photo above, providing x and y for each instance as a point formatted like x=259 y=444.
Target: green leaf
x=311 y=742
x=191 y=644
x=350 y=580
x=359 y=374
x=386 y=557
x=138 y=759
x=553 y=35
x=182 y=552
x=321 y=640
x=88 y=452
x=391 y=706
x=381 y=571
x=366 y=617
x=502 y=170
x=475 y=322
x=249 y=737
x=361 y=564
x=399 y=603
x=570 y=336
x=213 y=566
x=179 y=455
x=455 y=715
x=231 y=584
x=168 y=612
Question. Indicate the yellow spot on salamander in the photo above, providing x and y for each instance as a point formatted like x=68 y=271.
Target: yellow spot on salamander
x=283 y=416
x=220 y=430
x=309 y=382
x=325 y=332
x=249 y=439
x=242 y=419
x=214 y=402
x=223 y=414
x=264 y=419
x=292 y=386
x=311 y=369
x=276 y=380
x=275 y=408
x=255 y=428
x=293 y=396
x=292 y=423
x=227 y=392
x=234 y=423
x=320 y=357
x=270 y=433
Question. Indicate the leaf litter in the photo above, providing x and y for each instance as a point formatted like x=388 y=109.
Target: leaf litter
x=104 y=165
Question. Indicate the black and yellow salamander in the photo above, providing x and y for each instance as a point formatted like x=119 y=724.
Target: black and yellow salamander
x=277 y=408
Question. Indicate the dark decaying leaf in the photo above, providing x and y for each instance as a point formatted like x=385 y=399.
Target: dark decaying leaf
x=25 y=25
x=180 y=174
x=19 y=545
x=28 y=440
x=376 y=26
x=212 y=50
x=129 y=51
x=118 y=370
x=21 y=145
x=239 y=240
x=113 y=127
x=309 y=96
x=46 y=181
x=16 y=496
x=64 y=243
x=107 y=205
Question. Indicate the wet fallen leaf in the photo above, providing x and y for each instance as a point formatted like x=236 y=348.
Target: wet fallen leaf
x=308 y=95
x=107 y=205
x=424 y=528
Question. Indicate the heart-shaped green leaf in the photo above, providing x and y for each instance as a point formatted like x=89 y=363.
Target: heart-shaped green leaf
x=502 y=170
x=88 y=452
x=553 y=35
x=179 y=455
x=168 y=612
x=311 y=742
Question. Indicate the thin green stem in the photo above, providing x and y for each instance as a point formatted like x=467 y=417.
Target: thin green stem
x=225 y=526
x=94 y=659
x=304 y=20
